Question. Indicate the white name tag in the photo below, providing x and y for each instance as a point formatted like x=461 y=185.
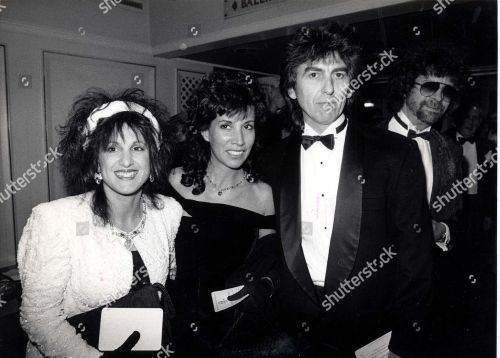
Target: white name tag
x=220 y=301
x=379 y=348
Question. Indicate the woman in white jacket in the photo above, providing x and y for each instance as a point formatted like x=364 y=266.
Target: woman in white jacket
x=87 y=250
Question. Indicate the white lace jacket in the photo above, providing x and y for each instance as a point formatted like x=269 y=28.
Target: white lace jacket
x=70 y=265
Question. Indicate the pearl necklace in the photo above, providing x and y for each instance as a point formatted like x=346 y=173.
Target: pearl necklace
x=221 y=191
x=129 y=236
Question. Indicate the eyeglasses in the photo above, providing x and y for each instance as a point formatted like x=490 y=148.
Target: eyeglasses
x=427 y=89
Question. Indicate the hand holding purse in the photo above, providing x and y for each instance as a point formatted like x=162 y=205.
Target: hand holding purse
x=125 y=348
x=144 y=297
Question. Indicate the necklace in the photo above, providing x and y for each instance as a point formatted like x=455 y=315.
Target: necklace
x=129 y=236
x=221 y=191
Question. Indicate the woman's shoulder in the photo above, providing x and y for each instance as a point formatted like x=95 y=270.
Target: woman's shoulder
x=263 y=195
x=168 y=214
x=175 y=176
x=263 y=191
x=64 y=205
x=168 y=204
x=59 y=215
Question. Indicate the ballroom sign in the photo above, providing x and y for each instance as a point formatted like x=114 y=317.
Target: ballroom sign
x=241 y=7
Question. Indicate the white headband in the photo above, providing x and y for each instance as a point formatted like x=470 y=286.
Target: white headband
x=108 y=109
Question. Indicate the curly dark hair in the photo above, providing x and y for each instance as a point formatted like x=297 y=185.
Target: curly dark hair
x=218 y=94
x=427 y=59
x=80 y=152
x=313 y=44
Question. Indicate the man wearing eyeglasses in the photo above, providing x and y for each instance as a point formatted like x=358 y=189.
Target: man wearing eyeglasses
x=424 y=88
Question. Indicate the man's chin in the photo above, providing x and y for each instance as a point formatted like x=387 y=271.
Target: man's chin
x=429 y=117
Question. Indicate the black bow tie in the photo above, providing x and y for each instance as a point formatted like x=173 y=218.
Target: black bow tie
x=463 y=140
x=412 y=134
x=327 y=140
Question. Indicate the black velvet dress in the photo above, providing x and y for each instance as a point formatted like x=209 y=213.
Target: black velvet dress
x=214 y=250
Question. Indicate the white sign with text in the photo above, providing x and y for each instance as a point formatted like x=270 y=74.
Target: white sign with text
x=220 y=301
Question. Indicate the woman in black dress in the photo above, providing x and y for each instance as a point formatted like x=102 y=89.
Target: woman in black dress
x=226 y=235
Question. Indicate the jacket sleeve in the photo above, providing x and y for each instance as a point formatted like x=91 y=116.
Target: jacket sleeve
x=412 y=232
x=173 y=216
x=260 y=262
x=45 y=270
x=453 y=222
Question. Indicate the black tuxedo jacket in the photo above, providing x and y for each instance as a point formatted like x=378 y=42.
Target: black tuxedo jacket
x=381 y=205
x=446 y=169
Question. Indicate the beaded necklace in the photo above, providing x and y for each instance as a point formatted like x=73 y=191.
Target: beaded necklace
x=129 y=236
x=221 y=191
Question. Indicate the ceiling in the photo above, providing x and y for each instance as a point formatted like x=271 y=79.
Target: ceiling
x=471 y=24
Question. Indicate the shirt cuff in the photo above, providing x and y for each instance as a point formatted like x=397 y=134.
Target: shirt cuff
x=443 y=242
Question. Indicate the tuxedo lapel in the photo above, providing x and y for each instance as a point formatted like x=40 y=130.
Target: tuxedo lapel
x=436 y=175
x=446 y=169
x=290 y=217
x=347 y=222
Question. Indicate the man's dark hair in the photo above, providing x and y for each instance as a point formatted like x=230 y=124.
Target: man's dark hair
x=428 y=59
x=315 y=44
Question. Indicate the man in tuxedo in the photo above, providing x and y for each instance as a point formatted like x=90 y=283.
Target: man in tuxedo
x=480 y=197
x=351 y=212
x=478 y=218
x=425 y=86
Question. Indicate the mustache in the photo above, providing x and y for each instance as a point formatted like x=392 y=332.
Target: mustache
x=433 y=105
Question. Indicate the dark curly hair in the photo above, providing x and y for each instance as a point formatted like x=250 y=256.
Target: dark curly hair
x=218 y=94
x=313 y=44
x=427 y=59
x=80 y=152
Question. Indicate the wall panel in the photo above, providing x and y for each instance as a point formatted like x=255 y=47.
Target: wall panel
x=7 y=236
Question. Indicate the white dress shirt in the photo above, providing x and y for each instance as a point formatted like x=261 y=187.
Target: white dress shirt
x=423 y=146
x=319 y=180
x=425 y=153
x=470 y=155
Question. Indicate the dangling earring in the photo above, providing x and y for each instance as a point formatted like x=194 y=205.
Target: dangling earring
x=98 y=178
x=151 y=178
